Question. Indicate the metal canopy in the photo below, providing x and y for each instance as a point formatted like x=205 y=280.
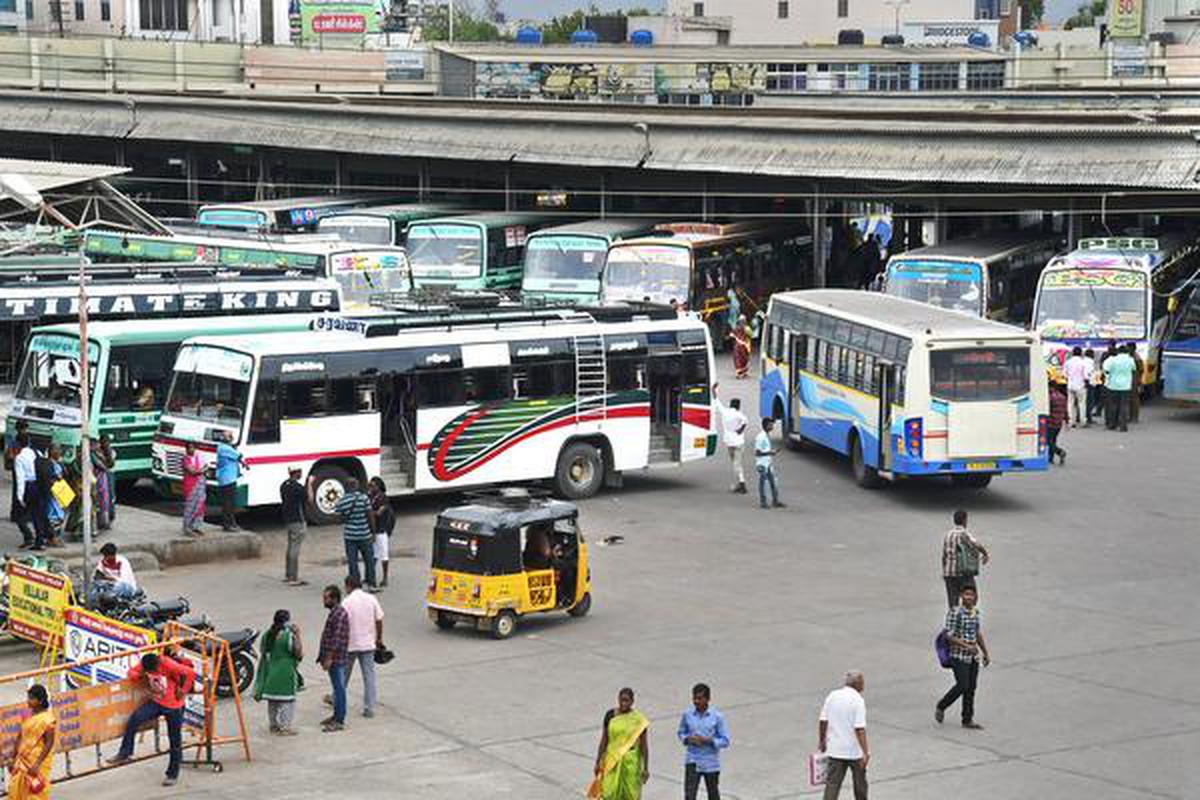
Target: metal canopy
x=48 y=176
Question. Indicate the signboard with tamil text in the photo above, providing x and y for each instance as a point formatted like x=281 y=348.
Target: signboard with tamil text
x=1125 y=19
x=36 y=601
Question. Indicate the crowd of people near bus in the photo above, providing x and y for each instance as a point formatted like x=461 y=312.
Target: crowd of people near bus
x=1092 y=386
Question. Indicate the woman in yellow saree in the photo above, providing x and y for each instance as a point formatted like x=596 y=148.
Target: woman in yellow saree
x=623 y=759
x=30 y=770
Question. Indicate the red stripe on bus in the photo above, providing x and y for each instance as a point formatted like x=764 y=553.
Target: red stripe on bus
x=699 y=417
x=365 y=451
x=173 y=442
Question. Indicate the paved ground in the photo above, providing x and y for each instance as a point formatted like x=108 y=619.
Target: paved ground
x=1090 y=607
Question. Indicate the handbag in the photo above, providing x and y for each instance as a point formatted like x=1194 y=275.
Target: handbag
x=63 y=493
x=941 y=646
x=966 y=558
x=383 y=655
x=818 y=770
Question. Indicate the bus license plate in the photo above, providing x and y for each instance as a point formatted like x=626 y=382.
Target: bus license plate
x=981 y=465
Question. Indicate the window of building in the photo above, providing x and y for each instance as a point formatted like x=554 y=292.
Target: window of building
x=28 y=9
x=937 y=77
x=105 y=11
x=839 y=77
x=782 y=9
x=163 y=15
x=8 y=5
x=843 y=8
x=985 y=75
x=888 y=78
x=697 y=9
x=80 y=11
x=787 y=77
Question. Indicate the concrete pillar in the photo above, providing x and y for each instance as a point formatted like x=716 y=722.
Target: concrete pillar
x=423 y=181
x=193 y=185
x=818 y=219
x=339 y=172
x=1074 y=224
x=603 y=195
x=508 y=203
x=706 y=202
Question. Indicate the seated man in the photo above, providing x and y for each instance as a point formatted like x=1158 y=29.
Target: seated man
x=114 y=573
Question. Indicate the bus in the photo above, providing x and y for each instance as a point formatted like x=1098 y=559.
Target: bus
x=695 y=265
x=1181 y=353
x=903 y=389
x=1113 y=289
x=447 y=402
x=145 y=291
x=477 y=251
x=290 y=214
x=563 y=264
x=362 y=272
x=379 y=225
x=993 y=276
x=130 y=366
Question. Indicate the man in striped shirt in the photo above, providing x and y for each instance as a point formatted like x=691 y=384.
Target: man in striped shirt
x=952 y=573
x=355 y=508
x=967 y=645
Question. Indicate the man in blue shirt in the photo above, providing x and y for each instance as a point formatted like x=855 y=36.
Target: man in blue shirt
x=702 y=731
x=229 y=468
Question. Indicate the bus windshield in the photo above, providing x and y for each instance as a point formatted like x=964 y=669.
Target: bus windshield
x=1092 y=304
x=358 y=228
x=992 y=373
x=51 y=370
x=363 y=273
x=211 y=384
x=445 y=250
x=579 y=259
x=952 y=285
x=653 y=272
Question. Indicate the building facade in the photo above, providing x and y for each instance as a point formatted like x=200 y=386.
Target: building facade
x=241 y=21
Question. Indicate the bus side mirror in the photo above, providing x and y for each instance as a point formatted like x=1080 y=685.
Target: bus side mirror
x=1173 y=304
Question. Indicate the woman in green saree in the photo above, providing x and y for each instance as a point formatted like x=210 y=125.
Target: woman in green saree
x=623 y=759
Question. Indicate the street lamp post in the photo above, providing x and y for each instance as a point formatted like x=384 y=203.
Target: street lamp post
x=896 y=6
x=85 y=444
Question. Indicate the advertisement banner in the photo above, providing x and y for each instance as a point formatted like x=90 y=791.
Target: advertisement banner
x=87 y=634
x=36 y=601
x=1125 y=19
x=337 y=20
x=87 y=716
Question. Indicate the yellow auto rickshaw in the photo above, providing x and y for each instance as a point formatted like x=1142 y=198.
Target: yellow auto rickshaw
x=503 y=556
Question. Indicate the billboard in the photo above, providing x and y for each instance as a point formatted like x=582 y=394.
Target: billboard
x=1125 y=19
x=337 y=20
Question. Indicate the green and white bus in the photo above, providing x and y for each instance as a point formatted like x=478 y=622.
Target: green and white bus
x=289 y=214
x=130 y=367
x=379 y=225
x=477 y=251
x=564 y=264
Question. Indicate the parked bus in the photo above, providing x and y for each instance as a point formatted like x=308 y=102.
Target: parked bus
x=1113 y=289
x=992 y=276
x=1181 y=353
x=952 y=395
x=477 y=251
x=695 y=265
x=130 y=366
x=564 y=264
x=362 y=272
x=289 y=214
x=379 y=225
x=145 y=291
x=447 y=403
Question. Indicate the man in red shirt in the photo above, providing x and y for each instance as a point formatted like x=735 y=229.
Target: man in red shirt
x=168 y=680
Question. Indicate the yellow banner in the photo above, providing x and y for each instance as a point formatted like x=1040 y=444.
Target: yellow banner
x=36 y=601
x=1125 y=19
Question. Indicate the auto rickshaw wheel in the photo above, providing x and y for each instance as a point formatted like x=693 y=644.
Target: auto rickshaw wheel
x=581 y=608
x=444 y=621
x=580 y=471
x=505 y=624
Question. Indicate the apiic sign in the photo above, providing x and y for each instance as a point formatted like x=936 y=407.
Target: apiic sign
x=168 y=304
x=90 y=635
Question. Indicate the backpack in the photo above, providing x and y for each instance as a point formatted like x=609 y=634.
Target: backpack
x=966 y=558
x=941 y=646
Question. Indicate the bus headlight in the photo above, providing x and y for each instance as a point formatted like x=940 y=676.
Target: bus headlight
x=914 y=437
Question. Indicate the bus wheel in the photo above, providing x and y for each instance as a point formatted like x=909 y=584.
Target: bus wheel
x=329 y=484
x=580 y=471
x=971 y=481
x=581 y=608
x=504 y=625
x=865 y=475
x=125 y=486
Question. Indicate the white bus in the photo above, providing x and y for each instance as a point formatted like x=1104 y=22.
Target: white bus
x=447 y=402
x=903 y=389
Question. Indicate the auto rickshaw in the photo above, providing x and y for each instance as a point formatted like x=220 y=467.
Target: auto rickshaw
x=503 y=556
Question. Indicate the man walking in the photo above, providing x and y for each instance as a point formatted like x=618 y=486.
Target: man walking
x=842 y=736
x=230 y=466
x=332 y=656
x=733 y=428
x=961 y=556
x=1094 y=384
x=169 y=681
x=764 y=463
x=1119 y=370
x=966 y=647
x=366 y=636
x=25 y=478
x=1077 y=373
x=11 y=451
x=355 y=510
x=292 y=498
x=703 y=733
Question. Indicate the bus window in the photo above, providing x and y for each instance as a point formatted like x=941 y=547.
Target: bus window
x=351 y=396
x=695 y=368
x=439 y=388
x=625 y=374
x=979 y=373
x=305 y=399
x=486 y=385
x=138 y=377
x=264 y=418
x=550 y=379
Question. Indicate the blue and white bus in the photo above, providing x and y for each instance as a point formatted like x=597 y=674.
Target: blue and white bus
x=952 y=394
x=1181 y=355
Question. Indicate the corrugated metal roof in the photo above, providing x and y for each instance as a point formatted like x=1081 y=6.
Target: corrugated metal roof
x=47 y=176
x=705 y=54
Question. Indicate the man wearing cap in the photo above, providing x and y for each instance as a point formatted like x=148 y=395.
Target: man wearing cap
x=292 y=498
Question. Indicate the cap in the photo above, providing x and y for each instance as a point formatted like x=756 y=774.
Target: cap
x=294 y=468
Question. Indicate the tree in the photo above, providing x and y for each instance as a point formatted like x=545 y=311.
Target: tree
x=468 y=26
x=1086 y=15
x=1032 y=12
x=559 y=29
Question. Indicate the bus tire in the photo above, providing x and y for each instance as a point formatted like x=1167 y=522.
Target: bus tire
x=580 y=471
x=329 y=484
x=972 y=481
x=865 y=475
x=504 y=625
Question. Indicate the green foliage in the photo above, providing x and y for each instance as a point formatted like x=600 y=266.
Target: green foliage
x=1032 y=12
x=1087 y=15
x=468 y=26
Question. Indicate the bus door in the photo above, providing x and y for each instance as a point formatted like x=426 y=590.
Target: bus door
x=797 y=358
x=885 y=383
x=664 y=379
x=398 y=418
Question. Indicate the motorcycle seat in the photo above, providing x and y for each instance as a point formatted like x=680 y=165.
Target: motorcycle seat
x=239 y=638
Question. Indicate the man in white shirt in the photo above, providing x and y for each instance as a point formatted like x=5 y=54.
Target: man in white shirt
x=842 y=736
x=763 y=462
x=733 y=427
x=1078 y=375
x=366 y=635
x=116 y=571
x=25 y=478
